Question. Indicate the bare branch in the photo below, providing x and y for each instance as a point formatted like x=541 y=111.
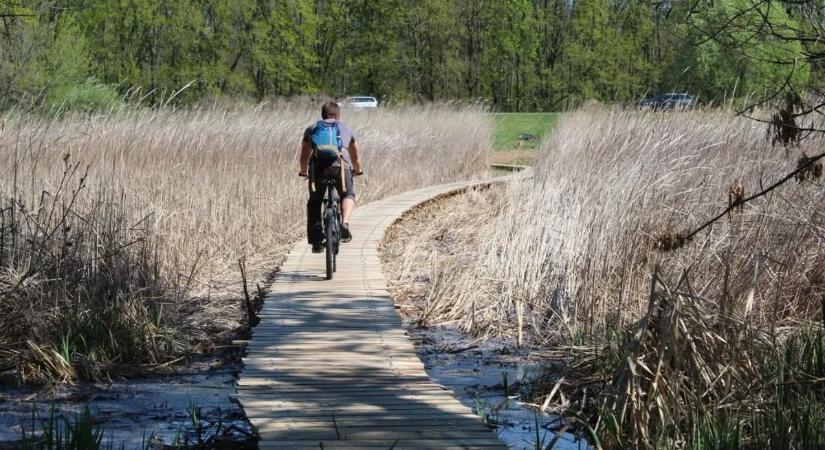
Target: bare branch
x=810 y=162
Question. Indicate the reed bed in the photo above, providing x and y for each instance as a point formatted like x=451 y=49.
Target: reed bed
x=572 y=251
x=121 y=234
x=663 y=342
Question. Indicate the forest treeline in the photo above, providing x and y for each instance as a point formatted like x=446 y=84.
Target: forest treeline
x=520 y=55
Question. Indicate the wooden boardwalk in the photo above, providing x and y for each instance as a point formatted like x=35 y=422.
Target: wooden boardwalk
x=330 y=365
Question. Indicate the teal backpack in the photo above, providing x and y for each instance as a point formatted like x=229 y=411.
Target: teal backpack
x=326 y=143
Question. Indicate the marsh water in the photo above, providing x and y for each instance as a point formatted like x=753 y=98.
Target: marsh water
x=489 y=376
x=194 y=405
x=183 y=408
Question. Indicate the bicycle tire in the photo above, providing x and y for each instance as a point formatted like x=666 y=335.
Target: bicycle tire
x=330 y=242
x=336 y=242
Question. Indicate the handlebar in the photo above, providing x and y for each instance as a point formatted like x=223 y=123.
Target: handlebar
x=306 y=175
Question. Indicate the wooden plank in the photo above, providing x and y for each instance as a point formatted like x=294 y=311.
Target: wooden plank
x=321 y=348
x=330 y=364
x=287 y=380
x=343 y=359
x=341 y=402
x=398 y=423
x=355 y=434
x=308 y=375
x=333 y=333
x=362 y=411
x=401 y=444
x=305 y=391
x=399 y=414
x=338 y=347
x=378 y=395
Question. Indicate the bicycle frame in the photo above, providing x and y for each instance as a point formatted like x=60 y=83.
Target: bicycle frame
x=332 y=227
x=331 y=213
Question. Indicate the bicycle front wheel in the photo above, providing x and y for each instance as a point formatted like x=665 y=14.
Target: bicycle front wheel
x=330 y=243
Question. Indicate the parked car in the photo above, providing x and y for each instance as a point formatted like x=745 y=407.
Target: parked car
x=667 y=101
x=360 y=102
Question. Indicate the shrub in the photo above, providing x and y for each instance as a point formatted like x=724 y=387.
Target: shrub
x=89 y=96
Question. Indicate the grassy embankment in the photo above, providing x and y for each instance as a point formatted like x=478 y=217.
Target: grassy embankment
x=121 y=234
x=662 y=342
x=510 y=127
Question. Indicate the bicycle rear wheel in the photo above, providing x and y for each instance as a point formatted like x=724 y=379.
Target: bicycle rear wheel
x=329 y=233
x=336 y=233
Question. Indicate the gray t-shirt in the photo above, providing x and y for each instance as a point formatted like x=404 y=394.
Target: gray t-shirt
x=347 y=137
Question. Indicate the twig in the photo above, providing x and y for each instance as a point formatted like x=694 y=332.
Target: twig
x=802 y=168
x=249 y=310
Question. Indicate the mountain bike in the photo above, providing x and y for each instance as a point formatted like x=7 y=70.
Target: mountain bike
x=332 y=224
x=331 y=216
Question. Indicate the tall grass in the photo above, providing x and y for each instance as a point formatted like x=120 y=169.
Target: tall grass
x=572 y=251
x=587 y=259
x=121 y=233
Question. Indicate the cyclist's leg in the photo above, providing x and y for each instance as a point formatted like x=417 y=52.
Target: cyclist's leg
x=347 y=197
x=315 y=226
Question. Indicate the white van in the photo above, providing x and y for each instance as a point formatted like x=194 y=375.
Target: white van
x=360 y=102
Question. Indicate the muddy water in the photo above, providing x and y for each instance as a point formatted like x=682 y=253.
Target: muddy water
x=196 y=407
x=138 y=414
x=478 y=372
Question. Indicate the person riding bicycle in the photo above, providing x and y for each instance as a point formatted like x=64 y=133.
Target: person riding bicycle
x=311 y=167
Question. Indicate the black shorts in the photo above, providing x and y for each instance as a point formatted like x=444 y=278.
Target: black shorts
x=319 y=175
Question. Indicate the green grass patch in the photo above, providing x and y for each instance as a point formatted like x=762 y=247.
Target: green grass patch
x=510 y=126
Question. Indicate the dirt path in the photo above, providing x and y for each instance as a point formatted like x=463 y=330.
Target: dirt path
x=330 y=361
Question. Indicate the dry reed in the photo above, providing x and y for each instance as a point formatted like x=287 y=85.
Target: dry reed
x=568 y=259
x=126 y=229
x=576 y=245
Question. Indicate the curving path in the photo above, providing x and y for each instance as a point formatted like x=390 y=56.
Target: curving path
x=330 y=365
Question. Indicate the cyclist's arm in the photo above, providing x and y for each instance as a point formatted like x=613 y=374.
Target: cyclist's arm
x=306 y=152
x=353 y=154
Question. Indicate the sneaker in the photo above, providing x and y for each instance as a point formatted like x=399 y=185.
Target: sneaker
x=317 y=248
x=345 y=233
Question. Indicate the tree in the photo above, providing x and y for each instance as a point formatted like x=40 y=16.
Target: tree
x=726 y=52
x=283 y=36
x=552 y=24
x=43 y=53
x=509 y=52
x=431 y=58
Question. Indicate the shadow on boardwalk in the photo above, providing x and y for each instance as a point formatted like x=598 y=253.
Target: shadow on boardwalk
x=337 y=368
x=330 y=365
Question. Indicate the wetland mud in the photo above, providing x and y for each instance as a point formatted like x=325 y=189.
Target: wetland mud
x=190 y=408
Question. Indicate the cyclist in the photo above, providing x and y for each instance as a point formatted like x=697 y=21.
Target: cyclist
x=349 y=163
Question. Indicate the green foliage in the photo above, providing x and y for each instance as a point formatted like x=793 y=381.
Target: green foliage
x=508 y=52
x=282 y=36
x=88 y=96
x=434 y=62
x=519 y=55
x=745 y=59
x=46 y=55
